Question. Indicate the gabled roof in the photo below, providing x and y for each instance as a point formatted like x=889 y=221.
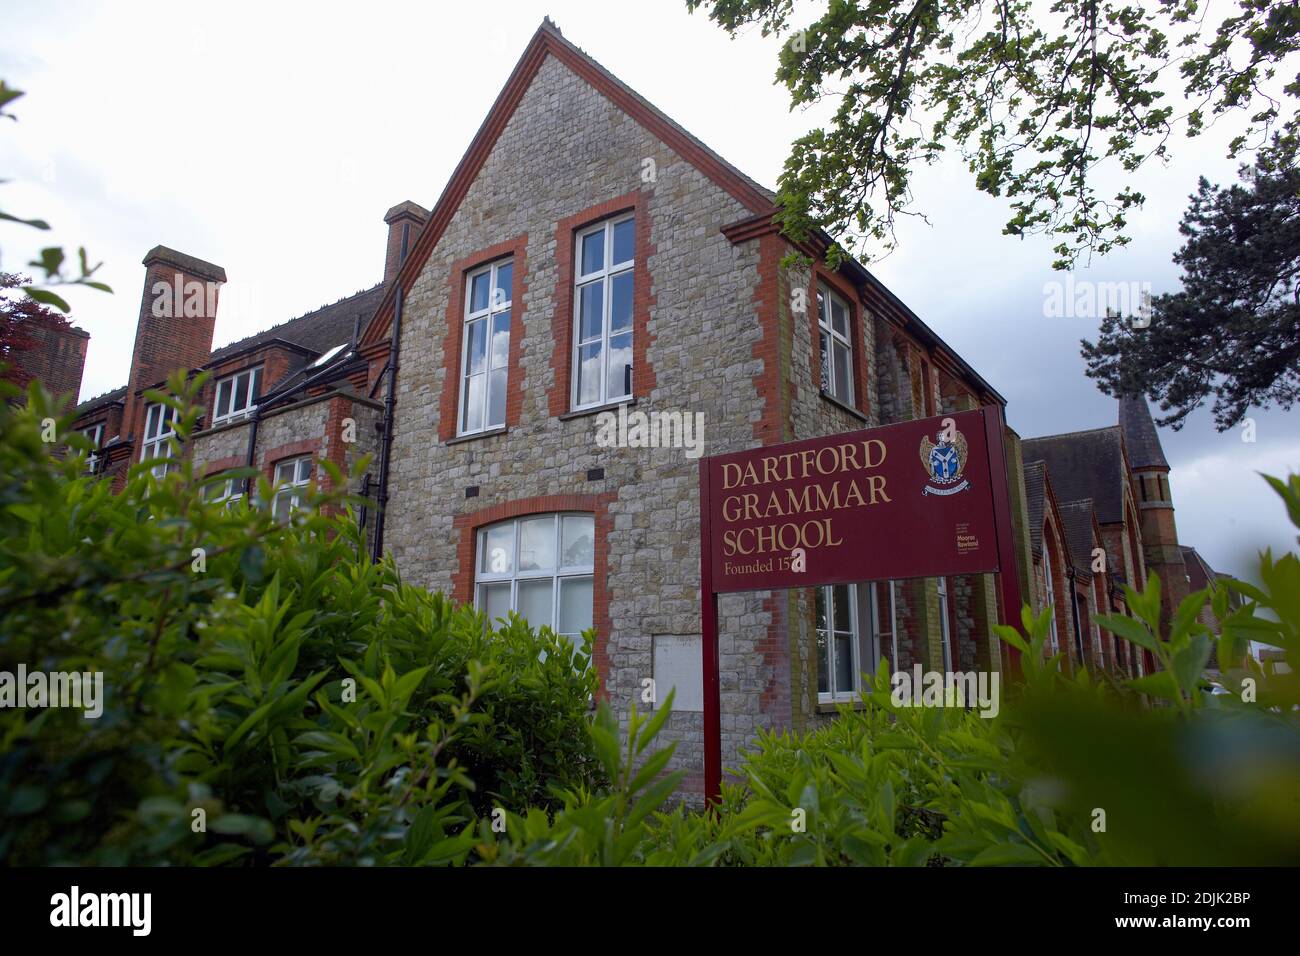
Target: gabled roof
x=1199 y=573
x=1140 y=435
x=548 y=41
x=1087 y=464
x=1035 y=499
x=317 y=331
x=1077 y=516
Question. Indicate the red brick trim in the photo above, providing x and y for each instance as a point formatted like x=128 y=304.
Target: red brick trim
x=771 y=428
x=849 y=293
x=223 y=464
x=466 y=525
x=449 y=408
x=547 y=41
x=562 y=319
x=335 y=449
x=273 y=456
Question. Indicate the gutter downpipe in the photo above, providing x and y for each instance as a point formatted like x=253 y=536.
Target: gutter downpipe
x=386 y=449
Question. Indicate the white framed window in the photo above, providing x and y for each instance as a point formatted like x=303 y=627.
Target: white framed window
x=95 y=434
x=542 y=568
x=228 y=491
x=1053 y=642
x=604 y=257
x=837 y=642
x=237 y=395
x=159 y=429
x=836 y=344
x=485 y=347
x=292 y=477
x=945 y=625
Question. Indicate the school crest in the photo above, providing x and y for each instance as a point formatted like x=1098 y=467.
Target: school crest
x=944 y=462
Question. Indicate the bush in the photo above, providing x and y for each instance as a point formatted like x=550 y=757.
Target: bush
x=269 y=697
x=308 y=707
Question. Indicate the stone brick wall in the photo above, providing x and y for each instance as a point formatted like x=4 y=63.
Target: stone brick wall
x=699 y=334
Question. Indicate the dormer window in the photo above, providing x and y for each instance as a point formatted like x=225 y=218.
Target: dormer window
x=237 y=395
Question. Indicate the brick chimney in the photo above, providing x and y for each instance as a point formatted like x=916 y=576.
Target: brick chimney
x=56 y=358
x=178 y=313
x=405 y=220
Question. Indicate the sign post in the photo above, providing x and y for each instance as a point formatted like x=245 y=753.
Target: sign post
x=925 y=498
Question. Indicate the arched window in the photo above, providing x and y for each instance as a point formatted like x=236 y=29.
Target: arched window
x=541 y=567
x=1053 y=643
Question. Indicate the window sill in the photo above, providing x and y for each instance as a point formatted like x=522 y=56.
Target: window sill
x=833 y=706
x=487 y=433
x=597 y=409
x=827 y=396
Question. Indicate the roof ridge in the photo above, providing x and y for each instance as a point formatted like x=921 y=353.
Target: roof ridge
x=308 y=314
x=1081 y=431
x=101 y=395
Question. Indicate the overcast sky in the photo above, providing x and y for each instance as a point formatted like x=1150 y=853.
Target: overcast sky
x=271 y=137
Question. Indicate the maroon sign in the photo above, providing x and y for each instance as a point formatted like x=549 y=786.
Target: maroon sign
x=925 y=498
x=908 y=500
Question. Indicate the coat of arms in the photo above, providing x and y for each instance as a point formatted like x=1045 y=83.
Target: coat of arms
x=944 y=462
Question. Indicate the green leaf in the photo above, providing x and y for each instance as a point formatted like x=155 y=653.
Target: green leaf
x=1129 y=629
x=1008 y=854
x=46 y=297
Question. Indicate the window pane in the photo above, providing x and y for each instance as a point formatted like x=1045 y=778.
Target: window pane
x=282 y=506
x=537 y=544
x=591 y=315
x=839 y=318
x=535 y=601
x=284 y=472
x=620 y=366
x=840 y=608
x=494 y=599
x=624 y=241
x=505 y=275
x=826 y=362
x=620 y=302
x=223 y=398
x=589 y=373
x=304 y=470
x=496 y=400
x=844 y=681
x=499 y=549
x=474 y=387
x=843 y=390
x=819 y=609
x=575 y=605
x=578 y=541
x=823 y=665
x=478 y=292
x=476 y=354
x=593 y=252
x=500 y=347
x=821 y=307
x=257 y=385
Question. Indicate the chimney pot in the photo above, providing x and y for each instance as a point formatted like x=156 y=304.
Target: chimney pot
x=405 y=220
